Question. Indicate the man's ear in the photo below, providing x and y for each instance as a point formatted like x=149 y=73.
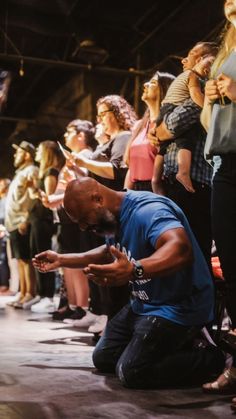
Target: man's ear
x=28 y=156
x=199 y=59
x=97 y=197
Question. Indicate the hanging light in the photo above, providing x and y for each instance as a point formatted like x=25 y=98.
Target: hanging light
x=21 y=70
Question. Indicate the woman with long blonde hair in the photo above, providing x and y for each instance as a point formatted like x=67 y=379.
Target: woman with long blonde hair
x=221 y=100
x=42 y=227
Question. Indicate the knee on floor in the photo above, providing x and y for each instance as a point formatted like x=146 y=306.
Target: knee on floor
x=128 y=376
x=101 y=363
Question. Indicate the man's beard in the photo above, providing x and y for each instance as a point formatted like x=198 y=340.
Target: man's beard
x=106 y=223
x=17 y=163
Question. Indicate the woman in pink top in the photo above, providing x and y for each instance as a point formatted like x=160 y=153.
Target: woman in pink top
x=140 y=153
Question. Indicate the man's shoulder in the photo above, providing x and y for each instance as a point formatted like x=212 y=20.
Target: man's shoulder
x=148 y=200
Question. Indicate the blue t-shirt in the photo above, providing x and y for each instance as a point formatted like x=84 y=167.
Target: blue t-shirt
x=185 y=297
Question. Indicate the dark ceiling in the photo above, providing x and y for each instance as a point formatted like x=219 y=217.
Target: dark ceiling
x=54 y=41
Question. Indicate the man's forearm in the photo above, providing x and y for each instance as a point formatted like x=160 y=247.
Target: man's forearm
x=104 y=169
x=99 y=255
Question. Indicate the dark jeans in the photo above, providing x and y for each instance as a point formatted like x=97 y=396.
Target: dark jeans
x=224 y=227
x=149 y=352
x=197 y=208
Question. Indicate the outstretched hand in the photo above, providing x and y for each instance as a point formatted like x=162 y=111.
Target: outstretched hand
x=117 y=273
x=46 y=261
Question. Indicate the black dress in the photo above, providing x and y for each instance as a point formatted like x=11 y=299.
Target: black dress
x=41 y=232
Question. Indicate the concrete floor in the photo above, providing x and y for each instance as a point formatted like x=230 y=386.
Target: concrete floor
x=47 y=373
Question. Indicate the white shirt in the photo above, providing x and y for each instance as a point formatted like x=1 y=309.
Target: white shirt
x=18 y=202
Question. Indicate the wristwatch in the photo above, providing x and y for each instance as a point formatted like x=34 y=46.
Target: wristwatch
x=138 y=269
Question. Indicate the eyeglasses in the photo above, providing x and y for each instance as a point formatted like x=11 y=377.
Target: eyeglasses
x=102 y=114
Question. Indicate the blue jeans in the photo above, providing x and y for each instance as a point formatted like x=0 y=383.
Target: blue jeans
x=149 y=352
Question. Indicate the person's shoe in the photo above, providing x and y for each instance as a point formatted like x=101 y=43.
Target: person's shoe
x=19 y=302
x=76 y=314
x=27 y=304
x=62 y=314
x=99 y=325
x=225 y=383
x=18 y=298
x=44 y=306
x=86 y=321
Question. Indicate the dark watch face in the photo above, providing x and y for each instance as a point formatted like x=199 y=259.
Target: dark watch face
x=139 y=271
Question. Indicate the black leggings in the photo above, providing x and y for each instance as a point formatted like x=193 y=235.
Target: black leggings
x=41 y=233
x=224 y=227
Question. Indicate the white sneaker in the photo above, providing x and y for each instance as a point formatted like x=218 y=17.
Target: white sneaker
x=28 y=304
x=44 y=306
x=86 y=321
x=99 y=325
x=16 y=299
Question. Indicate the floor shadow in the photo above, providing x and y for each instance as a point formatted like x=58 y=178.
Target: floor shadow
x=73 y=340
x=57 y=367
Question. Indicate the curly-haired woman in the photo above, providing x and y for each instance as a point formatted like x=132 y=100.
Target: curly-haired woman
x=117 y=117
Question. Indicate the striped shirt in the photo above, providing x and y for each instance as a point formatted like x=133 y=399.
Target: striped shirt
x=178 y=91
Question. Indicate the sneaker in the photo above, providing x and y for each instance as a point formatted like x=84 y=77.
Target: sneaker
x=18 y=298
x=86 y=321
x=44 y=306
x=77 y=314
x=62 y=314
x=27 y=304
x=19 y=302
x=99 y=325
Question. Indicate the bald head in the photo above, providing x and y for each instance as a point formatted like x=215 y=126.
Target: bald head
x=79 y=187
x=78 y=195
x=93 y=206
